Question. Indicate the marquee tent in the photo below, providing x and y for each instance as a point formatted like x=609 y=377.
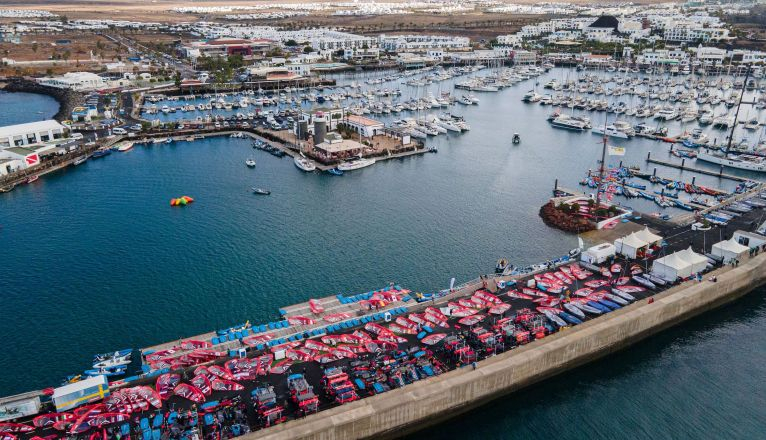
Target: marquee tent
x=629 y=245
x=698 y=262
x=729 y=249
x=671 y=267
x=648 y=236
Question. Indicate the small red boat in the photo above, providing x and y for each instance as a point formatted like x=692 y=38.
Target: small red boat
x=471 y=320
x=299 y=320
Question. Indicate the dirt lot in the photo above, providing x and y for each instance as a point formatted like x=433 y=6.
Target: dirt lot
x=159 y=10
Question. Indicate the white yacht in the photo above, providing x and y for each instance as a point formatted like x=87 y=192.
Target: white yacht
x=609 y=130
x=666 y=114
x=568 y=123
x=250 y=163
x=355 y=164
x=739 y=161
x=304 y=163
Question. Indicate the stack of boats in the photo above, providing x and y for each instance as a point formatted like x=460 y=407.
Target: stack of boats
x=110 y=364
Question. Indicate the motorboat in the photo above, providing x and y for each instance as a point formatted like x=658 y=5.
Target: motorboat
x=125 y=146
x=568 y=123
x=304 y=164
x=609 y=130
x=107 y=371
x=516 y=139
x=666 y=114
x=335 y=172
x=355 y=164
x=261 y=191
x=80 y=160
x=250 y=163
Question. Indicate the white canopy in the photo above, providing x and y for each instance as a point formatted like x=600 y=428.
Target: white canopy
x=629 y=245
x=648 y=236
x=729 y=249
x=598 y=254
x=671 y=267
x=698 y=262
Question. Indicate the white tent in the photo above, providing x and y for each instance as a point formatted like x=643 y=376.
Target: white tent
x=629 y=245
x=648 y=236
x=729 y=249
x=698 y=262
x=671 y=267
x=598 y=254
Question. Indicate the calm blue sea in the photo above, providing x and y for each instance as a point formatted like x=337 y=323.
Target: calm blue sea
x=95 y=259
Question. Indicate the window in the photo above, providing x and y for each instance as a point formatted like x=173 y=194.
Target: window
x=31 y=138
x=44 y=137
x=744 y=241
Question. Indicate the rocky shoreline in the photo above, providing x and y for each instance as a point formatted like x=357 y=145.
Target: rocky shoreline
x=557 y=218
x=67 y=99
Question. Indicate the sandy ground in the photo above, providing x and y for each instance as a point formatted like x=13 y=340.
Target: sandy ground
x=160 y=10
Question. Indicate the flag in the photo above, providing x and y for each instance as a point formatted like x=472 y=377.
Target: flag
x=616 y=151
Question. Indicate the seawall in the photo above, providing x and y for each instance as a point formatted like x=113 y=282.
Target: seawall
x=424 y=403
x=67 y=99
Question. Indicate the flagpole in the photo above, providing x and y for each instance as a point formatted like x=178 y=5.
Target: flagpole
x=600 y=173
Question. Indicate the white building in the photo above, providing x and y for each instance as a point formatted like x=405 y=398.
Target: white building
x=710 y=55
x=690 y=34
x=30 y=133
x=365 y=127
x=398 y=43
x=79 y=81
x=509 y=40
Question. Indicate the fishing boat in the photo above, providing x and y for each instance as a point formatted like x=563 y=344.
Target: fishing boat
x=261 y=191
x=304 y=164
x=7 y=188
x=516 y=139
x=355 y=164
x=80 y=160
x=501 y=265
x=32 y=178
x=101 y=152
x=250 y=163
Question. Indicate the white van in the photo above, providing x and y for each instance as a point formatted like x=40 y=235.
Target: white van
x=119 y=130
x=76 y=136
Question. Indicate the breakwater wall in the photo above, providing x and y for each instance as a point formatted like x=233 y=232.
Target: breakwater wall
x=67 y=99
x=424 y=403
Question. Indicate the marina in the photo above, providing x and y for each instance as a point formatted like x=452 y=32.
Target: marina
x=336 y=349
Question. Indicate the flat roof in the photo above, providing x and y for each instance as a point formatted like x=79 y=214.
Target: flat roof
x=339 y=147
x=79 y=386
x=29 y=127
x=361 y=120
x=19 y=150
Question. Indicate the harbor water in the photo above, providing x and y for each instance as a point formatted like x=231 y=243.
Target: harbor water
x=95 y=259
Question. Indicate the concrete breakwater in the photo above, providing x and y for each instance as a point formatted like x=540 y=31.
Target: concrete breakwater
x=67 y=99
x=421 y=404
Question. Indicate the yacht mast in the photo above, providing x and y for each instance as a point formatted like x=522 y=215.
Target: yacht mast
x=736 y=113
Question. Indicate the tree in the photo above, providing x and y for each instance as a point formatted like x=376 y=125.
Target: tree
x=308 y=49
x=291 y=43
x=178 y=79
